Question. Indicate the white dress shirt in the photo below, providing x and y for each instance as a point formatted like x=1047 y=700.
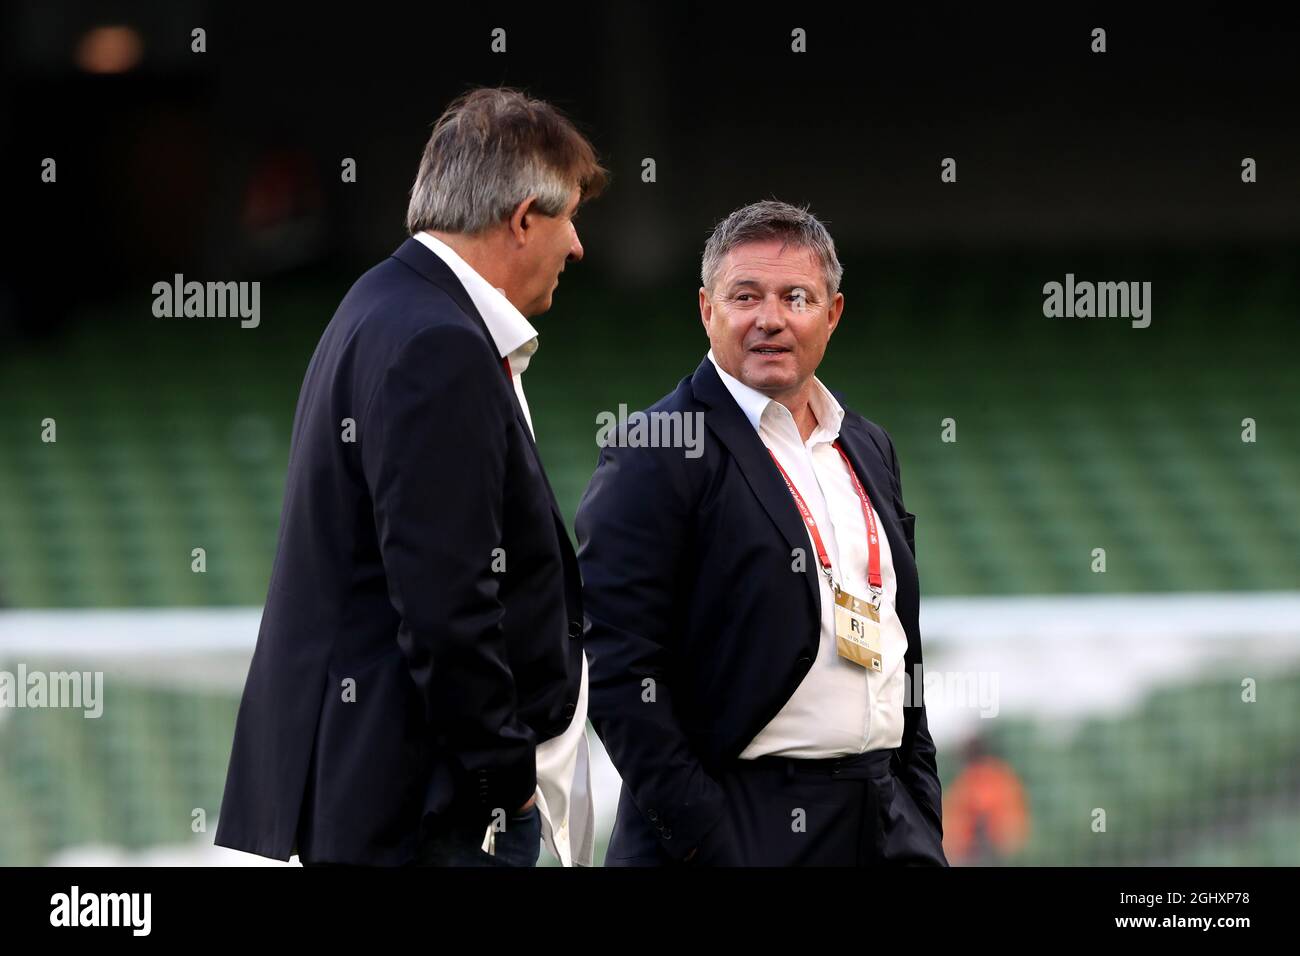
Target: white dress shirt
x=564 y=795
x=840 y=708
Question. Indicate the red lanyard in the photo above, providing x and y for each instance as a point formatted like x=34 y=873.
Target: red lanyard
x=873 y=540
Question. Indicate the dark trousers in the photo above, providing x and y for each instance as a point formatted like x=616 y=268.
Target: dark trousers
x=518 y=844
x=849 y=811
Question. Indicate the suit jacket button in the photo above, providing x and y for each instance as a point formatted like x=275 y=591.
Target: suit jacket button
x=653 y=815
x=570 y=710
x=806 y=661
x=667 y=834
x=575 y=629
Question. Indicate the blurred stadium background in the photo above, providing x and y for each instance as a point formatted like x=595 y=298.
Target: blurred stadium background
x=1121 y=690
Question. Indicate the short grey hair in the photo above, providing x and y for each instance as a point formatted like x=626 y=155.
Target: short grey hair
x=767 y=220
x=492 y=149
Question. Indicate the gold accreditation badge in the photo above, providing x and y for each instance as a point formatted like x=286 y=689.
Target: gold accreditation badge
x=857 y=630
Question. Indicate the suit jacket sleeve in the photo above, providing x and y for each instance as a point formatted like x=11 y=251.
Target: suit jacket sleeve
x=919 y=770
x=433 y=449
x=633 y=526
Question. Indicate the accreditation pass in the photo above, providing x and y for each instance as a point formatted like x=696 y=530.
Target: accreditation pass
x=857 y=630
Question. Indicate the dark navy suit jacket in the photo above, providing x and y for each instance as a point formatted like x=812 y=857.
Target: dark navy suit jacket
x=687 y=583
x=422 y=629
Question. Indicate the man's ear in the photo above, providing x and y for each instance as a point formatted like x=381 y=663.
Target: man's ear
x=520 y=220
x=706 y=309
x=834 y=312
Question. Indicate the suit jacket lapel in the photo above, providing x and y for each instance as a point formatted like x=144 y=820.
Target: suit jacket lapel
x=869 y=463
x=868 y=460
x=725 y=419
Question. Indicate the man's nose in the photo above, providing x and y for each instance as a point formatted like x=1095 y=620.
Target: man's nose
x=769 y=318
x=575 y=249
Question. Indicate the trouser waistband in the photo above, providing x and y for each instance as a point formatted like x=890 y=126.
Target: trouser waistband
x=863 y=766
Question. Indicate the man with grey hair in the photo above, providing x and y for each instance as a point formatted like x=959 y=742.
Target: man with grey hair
x=418 y=690
x=752 y=633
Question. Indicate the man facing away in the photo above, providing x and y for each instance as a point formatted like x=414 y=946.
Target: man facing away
x=418 y=689
x=753 y=609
